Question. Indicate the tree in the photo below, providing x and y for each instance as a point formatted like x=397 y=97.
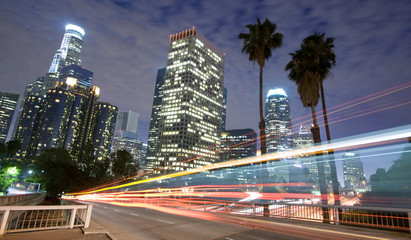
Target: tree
x=258 y=44
x=13 y=147
x=122 y=164
x=57 y=173
x=8 y=175
x=323 y=59
x=303 y=70
x=3 y=149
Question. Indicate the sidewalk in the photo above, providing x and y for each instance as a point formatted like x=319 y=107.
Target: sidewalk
x=94 y=232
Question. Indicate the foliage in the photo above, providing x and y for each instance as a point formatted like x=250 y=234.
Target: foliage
x=3 y=149
x=397 y=180
x=13 y=147
x=258 y=43
x=8 y=175
x=57 y=173
x=122 y=164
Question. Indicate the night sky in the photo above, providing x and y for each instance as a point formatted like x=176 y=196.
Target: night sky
x=127 y=41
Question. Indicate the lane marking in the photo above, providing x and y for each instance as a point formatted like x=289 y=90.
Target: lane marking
x=164 y=221
x=116 y=210
x=134 y=214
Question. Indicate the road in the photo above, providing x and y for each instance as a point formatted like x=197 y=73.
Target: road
x=125 y=223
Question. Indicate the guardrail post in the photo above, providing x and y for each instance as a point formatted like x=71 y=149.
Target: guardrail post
x=266 y=210
x=409 y=221
x=88 y=216
x=288 y=211
x=73 y=217
x=337 y=216
x=253 y=209
x=4 y=221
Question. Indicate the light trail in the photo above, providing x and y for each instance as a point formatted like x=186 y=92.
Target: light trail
x=338 y=108
x=364 y=140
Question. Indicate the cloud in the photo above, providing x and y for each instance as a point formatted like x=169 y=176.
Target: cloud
x=127 y=41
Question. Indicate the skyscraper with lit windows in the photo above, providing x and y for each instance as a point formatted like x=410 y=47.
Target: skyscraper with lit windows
x=278 y=121
x=8 y=102
x=68 y=54
x=190 y=116
x=154 y=120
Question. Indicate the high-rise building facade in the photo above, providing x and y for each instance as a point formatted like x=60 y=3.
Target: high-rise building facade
x=127 y=122
x=68 y=54
x=84 y=77
x=8 y=103
x=278 y=121
x=190 y=118
x=302 y=139
x=102 y=128
x=224 y=116
x=353 y=170
x=27 y=119
x=70 y=49
x=155 y=117
x=126 y=137
x=238 y=144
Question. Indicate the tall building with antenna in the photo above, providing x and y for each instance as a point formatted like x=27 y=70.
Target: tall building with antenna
x=190 y=115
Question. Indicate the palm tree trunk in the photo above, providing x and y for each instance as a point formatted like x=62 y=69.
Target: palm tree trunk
x=262 y=122
x=334 y=179
x=315 y=130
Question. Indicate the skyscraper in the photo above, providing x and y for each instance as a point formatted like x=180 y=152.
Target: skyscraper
x=278 y=121
x=237 y=144
x=68 y=54
x=190 y=120
x=126 y=137
x=70 y=49
x=102 y=128
x=27 y=119
x=155 y=117
x=224 y=116
x=127 y=122
x=353 y=171
x=8 y=102
x=84 y=77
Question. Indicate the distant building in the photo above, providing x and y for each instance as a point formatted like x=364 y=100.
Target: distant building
x=8 y=103
x=152 y=145
x=130 y=142
x=126 y=137
x=354 y=178
x=70 y=49
x=238 y=144
x=278 y=121
x=278 y=134
x=68 y=54
x=190 y=117
x=224 y=116
x=102 y=127
x=127 y=122
x=84 y=77
x=303 y=139
x=27 y=119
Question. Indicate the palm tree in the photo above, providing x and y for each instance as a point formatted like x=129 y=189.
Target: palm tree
x=258 y=43
x=324 y=58
x=303 y=70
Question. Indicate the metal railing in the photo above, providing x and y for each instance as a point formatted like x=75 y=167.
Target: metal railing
x=377 y=217
x=22 y=199
x=31 y=218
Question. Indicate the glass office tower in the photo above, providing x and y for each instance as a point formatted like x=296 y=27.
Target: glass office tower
x=278 y=121
x=190 y=117
x=8 y=103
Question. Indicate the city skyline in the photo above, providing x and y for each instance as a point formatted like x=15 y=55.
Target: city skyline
x=125 y=54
